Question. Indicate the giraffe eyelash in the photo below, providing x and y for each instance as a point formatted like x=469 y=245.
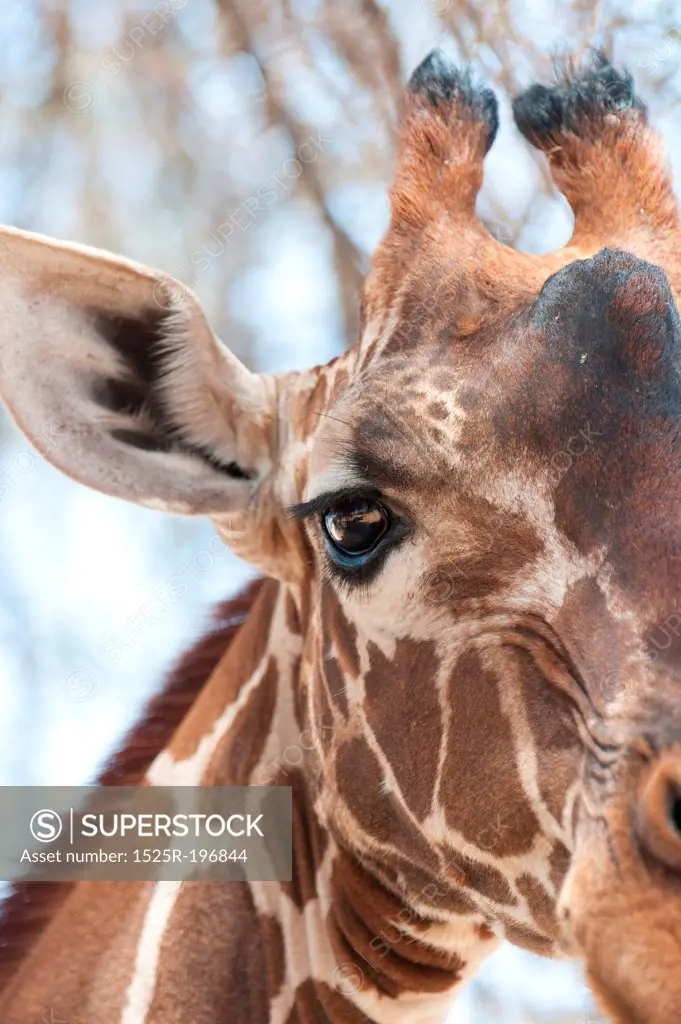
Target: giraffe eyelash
x=320 y=504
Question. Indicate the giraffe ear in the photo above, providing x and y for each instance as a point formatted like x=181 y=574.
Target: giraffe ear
x=113 y=374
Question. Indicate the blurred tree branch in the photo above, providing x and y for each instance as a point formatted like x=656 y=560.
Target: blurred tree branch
x=152 y=128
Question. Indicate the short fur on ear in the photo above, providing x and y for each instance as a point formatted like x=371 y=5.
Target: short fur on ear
x=113 y=374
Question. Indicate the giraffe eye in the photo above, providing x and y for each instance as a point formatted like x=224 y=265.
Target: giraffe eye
x=354 y=527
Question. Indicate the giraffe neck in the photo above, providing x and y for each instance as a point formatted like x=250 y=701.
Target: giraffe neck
x=333 y=944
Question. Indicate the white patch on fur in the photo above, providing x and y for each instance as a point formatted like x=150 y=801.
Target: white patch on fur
x=166 y=771
x=142 y=986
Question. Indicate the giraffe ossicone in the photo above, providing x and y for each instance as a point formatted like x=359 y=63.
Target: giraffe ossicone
x=465 y=656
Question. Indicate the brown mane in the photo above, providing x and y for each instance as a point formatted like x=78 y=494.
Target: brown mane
x=28 y=908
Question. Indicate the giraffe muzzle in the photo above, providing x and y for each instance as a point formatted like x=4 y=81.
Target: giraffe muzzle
x=621 y=903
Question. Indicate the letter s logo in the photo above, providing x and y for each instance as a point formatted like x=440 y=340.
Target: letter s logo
x=46 y=826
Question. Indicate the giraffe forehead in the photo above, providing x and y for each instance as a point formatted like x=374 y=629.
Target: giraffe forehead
x=400 y=421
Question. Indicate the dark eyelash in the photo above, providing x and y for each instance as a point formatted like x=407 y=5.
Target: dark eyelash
x=307 y=509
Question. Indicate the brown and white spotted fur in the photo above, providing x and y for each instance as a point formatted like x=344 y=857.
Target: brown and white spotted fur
x=482 y=724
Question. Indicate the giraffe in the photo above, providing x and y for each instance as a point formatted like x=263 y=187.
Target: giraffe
x=464 y=654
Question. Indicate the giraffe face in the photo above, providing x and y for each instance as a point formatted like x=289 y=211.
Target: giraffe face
x=492 y=515
x=494 y=684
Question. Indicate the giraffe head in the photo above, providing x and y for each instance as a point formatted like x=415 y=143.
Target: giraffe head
x=476 y=511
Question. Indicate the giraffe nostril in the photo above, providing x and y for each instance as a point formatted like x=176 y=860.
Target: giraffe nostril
x=659 y=812
x=675 y=809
